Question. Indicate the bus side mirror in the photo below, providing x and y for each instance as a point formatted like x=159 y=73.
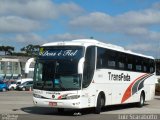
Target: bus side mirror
x=80 y=65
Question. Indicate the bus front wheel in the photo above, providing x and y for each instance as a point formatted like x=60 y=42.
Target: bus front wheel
x=100 y=104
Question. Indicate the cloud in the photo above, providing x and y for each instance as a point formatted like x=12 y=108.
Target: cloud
x=17 y=16
x=95 y=20
x=70 y=9
x=23 y=18
x=21 y=40
x=140 y=47
x=134 y=26
x=156 y=5
x=130 y=23
x=64 y=37
x=140 y=18
x=13 y=24
x=147 y=48
x=38 y=9
x=30 y=38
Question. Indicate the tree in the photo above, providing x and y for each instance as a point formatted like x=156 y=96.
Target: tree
x=31 y=50
x=7 y=49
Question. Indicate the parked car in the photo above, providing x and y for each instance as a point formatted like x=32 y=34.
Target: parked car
x=21 y=81
x=25 y=86
x=12 y=85
x=3 y=86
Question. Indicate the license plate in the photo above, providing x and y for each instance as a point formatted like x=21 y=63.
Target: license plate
x=52 y=104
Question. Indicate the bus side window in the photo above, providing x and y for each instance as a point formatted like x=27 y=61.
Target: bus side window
x=152 y=66
x=139 y=64
x=111 y=59
x=121 y=61
x=130 y=62
x=101 y=58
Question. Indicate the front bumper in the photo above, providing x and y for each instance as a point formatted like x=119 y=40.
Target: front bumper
x=74 y=103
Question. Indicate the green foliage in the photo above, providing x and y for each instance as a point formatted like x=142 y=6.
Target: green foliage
x=31 y=50
x=7 y=49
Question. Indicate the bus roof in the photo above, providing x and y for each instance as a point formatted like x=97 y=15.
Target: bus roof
x=89 y=42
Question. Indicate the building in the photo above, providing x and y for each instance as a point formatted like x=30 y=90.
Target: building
x=12 y=67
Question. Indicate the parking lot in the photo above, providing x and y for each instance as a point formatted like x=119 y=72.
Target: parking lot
x=20 y=103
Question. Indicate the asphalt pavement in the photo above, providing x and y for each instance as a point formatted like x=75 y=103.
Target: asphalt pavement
x=18 y=105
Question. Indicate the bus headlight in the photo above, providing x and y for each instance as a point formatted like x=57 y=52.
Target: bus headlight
x=37 y=96
x=73 y=97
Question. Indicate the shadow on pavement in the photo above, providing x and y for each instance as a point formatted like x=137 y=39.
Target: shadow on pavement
x=49 y=111
x=71 y=112
x=157 y=98
x=120 y=107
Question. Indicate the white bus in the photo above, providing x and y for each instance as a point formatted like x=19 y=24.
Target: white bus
x=87 y=73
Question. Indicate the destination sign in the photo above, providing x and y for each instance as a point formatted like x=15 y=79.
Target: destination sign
x=59 y=53
x=69 y=53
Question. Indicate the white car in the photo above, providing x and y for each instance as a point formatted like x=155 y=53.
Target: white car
x=12 y=85
x=21 y=81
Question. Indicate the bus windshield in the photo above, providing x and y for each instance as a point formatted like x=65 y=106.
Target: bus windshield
x=56 y=69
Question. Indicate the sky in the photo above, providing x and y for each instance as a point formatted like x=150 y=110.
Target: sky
x=132 y=24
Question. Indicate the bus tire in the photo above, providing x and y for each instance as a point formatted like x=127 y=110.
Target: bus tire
x=100 y=104
x=142 y=100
